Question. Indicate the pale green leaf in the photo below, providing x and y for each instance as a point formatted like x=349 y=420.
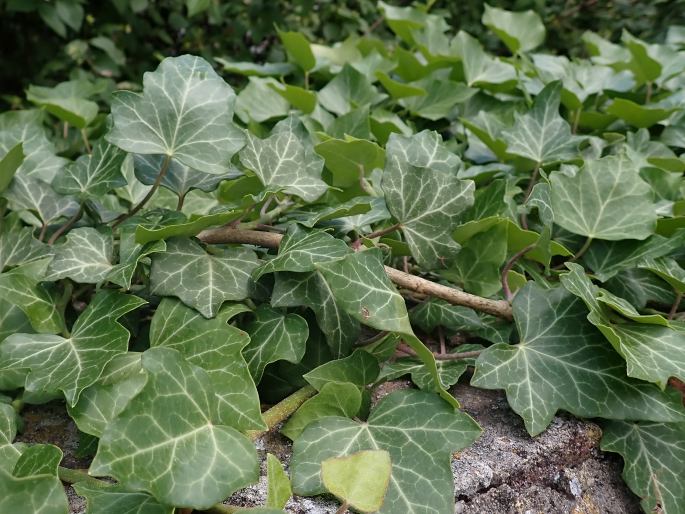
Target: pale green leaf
x=86 y=256
x=563 y=362
x=108 y=500
x=360 y=479
x=360 y=369
x=192 y=227
x=9 y=454
x=216 y=347
x=350 y=158
x=348 y=90
x=605 y=199
x=184 y=112
x=259 y=102
x=42 y=204
x=424 y=194
x=420 y=448
x=67 y=100
x=278 y=489
x=201 y=280
x=9 y=164
x=72 y=364
x=167 y=441
x=18 y=247
x=298 y=49
x=520 y=31
x=273 y=337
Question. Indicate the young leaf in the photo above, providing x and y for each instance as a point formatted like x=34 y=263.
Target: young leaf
x=298 y=49
x=587 y=376
x=216 y=347
x=67 y=100
x=167 y=441
x=85 y=257
x=361 y=479
x=654 y=461
x=541 y=134
x=115 y=498
x=71 y=364
x=184 y=112
x=278 y=492
x=92 y=175
x=274 y=337
x=423 y=193
x=421 y=477
x=520 y=31
x=350 y=158
x=348 y=90
x=200 y=280
x=285 y=162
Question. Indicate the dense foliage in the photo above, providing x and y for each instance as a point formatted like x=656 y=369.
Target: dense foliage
x=177 y=253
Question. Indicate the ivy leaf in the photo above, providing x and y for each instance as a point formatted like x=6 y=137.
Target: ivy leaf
x=605 y=199
x=449 y=371
x=668 y=269
x=92 y=175
x=350 y=158
x=589 y=377
x=167 y=441
x=173 y=228
x=278 y=490
x=39 y=200
x=216 y=347
x=184 y=112
x=9 y=454
x=520 y=31
x=200 y=280
x=334 y=399
x=21 y=287
x=300 y=251
x=285 y=161
x=361 y=479
x=179 y=178
x=481 y=69
x=421 y=477
x=311 y=290
x=360 y=369
x=273 y=337
x=298 y=49
x=541 y=134
x=74 y=363
x=131 y=255
x=654 y=461
x=85 y=257
x=348 y=90
x=105 y=500
x=67 y=100
x=9 y=164
x=653 y=351
x=18 y=247
x=122 y=379
x=29 y=489
x=434 y=313
x=441 y=97
x=423 y=193
x=259 y=102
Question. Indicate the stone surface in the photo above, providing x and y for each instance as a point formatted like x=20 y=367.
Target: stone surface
x=505 y=471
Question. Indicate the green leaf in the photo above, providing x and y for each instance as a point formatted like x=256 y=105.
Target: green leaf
x=131 y=255
x=360 y=369
x=72 y=364
x=301 y=251
x=520 y=31
x=278 y=490
x=274 y=337
x=249 y=69
x=350 y=158
x=86 y=256
x=192 y=227
x=285 y=161
x=106 y=500
x=298 y=49
x=9 y=453
x=216 y=347
x=167 y=441
x=311 y=290
x=643 y=65
x=197 y=6
x=348 y=90
x=541 y=134
x=92 y=175
x=201 y=280
x=360 y=480
x=605 y=199
x=259 y=102
x=18 y=247
x=654 y=461
x=38 y=200
x=668 y=269
x=481 y=69
x=421 y=477
x=440 y=99
x=398 y=89
x=68 y=101
x=32 y=488
x=449 y=370
x=653 y=351
x=423 y=193
x=434 y=313
x=9 y=164
x=589 y=377
x=184 y=112
x=334 y=399
x=298 y=97
x=21 y=287
x=122 y=379
x=637 y=115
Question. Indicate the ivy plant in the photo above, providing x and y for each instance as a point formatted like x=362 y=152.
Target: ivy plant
x=191 y=261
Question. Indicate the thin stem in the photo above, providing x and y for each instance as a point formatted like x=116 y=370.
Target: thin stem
x=181 y=199
x=440 y=356
x=526 y=195
x=69 y=223
x=160 y=176
x=43 y=231
x=306 y=80
x=578 y=254
x=73 y=476
x=268 y=217
x=364 y=184
x=674 y=307
x=576 y=121
x=508 y=267
x=86 y=143
x=500 y=308
x=343 y=508
x=383 y=231
x=283 y=410
x=265 y=206
x=648 y=95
